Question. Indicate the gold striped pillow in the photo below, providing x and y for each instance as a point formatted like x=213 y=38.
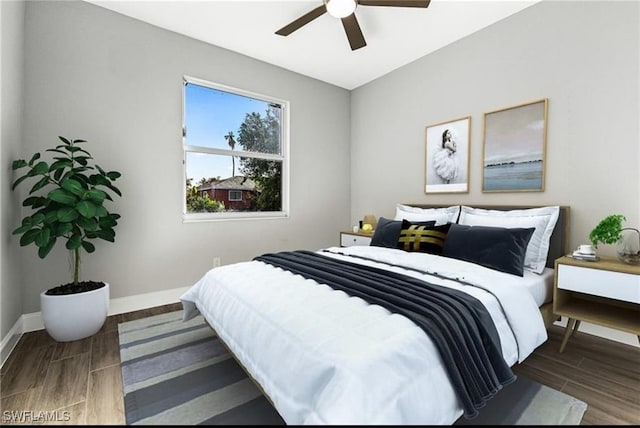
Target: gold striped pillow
x=426 y=239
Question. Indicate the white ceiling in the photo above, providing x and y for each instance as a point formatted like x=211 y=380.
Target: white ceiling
x=395 y=35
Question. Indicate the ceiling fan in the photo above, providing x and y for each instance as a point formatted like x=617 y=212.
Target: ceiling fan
x=345 y=10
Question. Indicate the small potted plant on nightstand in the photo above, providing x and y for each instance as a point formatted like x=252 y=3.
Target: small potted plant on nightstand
x=610 y=231
x=68 y=203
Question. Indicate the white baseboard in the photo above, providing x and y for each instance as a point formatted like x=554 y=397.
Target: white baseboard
x=123 y=305
x=120 y=305
x=605 y=332
x=10 y=341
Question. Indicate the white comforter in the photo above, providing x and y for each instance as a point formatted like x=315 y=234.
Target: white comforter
x=326 y=358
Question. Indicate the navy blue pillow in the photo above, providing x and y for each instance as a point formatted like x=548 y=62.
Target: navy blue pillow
x=388 y=231
x=498 y=248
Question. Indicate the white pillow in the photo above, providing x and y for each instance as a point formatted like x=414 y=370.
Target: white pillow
x=543 y=219
x=440 y=215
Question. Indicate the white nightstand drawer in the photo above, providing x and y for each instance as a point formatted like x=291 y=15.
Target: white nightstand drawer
x=348 y=240
x=614 y=285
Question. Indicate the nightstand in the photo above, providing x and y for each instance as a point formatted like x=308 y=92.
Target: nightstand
x=605 y=292
x=349 y=239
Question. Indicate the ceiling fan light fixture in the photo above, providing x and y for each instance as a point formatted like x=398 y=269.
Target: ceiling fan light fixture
x=340 y=8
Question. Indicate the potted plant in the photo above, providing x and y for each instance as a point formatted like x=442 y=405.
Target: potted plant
x=610 y=231
x=68 y=203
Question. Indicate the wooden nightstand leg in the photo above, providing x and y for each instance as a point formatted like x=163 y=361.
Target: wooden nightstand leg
x=575 y=328
x=567 y=333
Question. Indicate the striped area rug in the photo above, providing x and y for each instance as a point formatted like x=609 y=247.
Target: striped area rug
x=178 y=373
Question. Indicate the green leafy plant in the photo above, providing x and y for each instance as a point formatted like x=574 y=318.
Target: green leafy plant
x=201 y=204
x=608 y=231
x=67 y=201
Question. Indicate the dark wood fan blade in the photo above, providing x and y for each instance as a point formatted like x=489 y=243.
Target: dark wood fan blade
x=396 y=3
x=354 y=33
x=304 y=19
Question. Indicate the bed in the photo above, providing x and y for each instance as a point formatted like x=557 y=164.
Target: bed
x=323 y=355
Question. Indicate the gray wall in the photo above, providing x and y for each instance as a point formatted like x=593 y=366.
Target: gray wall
x=117 y=82
x=11 y=108
x=582 y=56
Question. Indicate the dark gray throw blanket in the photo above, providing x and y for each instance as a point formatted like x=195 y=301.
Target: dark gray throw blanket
x=459 y=324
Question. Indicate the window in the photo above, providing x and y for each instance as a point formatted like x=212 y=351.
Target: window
x=235 y=147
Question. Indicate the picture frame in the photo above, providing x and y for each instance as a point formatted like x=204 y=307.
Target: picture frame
x=514 y=149
x=447 y=156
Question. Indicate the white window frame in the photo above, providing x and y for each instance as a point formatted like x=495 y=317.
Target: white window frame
x=283 y=157
x=235 y=199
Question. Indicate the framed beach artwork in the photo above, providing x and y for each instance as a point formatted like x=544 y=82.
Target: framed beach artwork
x=515 y=148
x=447 y=156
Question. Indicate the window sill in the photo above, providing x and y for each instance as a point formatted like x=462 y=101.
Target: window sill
x=227 y=216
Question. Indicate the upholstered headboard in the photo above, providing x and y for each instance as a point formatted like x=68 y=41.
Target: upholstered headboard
x=559 y=241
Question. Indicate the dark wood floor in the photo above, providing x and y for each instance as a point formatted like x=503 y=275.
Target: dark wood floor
x=80 y=382
x=603 y=373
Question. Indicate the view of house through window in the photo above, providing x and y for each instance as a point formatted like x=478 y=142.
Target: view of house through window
x=234 y=151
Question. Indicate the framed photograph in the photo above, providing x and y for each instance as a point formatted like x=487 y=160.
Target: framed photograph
x=515 y=140
x=447 y=156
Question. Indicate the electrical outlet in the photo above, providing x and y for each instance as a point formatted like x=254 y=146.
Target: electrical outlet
x=216 y=262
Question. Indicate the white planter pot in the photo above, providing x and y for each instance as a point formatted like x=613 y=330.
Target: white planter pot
x=75 y=316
